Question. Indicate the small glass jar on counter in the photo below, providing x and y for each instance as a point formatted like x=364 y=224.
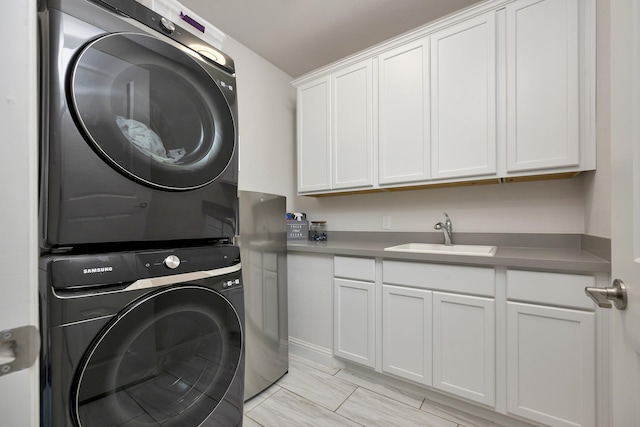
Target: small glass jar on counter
x=318 y=231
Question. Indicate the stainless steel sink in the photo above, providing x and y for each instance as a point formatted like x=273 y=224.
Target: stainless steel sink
x=436 y=248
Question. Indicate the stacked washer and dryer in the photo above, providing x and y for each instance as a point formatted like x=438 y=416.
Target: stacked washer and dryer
x=141 y=291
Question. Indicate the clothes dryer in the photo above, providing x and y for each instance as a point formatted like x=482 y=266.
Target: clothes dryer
x=142 y=338
x=139 y=128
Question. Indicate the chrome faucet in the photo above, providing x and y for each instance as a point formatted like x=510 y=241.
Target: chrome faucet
x=447 y=229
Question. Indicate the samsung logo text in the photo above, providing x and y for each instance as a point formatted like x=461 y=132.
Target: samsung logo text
x=97 y=270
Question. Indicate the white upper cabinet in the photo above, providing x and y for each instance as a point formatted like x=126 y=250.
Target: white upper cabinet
x=543 y=98
x=314 y=148
x=352 y=126
x=501 y=90
x=403 y=122
x=463 y=99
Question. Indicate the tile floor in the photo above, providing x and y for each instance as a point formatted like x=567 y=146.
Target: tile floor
x=314 y=395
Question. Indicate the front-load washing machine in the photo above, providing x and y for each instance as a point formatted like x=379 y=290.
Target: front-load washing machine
x=139 y=124
x=142 y=338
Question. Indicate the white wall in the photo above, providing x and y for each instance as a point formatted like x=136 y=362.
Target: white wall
x=540 y=207
x=598 y=184
x=266 y=116
x=310 y=291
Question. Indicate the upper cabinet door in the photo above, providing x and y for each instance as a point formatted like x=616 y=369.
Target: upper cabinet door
x=352 y=143
x=403 y=123
x=463 y=99
x=314 y=148
x=542 y=84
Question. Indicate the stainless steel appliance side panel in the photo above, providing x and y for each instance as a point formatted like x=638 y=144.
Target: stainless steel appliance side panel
x=263 y=251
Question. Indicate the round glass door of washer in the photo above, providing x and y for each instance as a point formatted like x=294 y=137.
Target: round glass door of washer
x=153 y=111
x=167 y=359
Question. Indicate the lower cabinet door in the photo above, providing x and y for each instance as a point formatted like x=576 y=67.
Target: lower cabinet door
x=406 y=333
x=551 y=371
x=354 y=321
x=464 y=356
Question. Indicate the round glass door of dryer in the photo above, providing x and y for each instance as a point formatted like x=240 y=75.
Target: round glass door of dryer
x=167 y=359
x=152 y=111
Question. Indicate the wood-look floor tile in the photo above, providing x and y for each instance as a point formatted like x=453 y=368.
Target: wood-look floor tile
x=248 y=422
x=318 y=387
x=258 y=399
x=286 y=409
x=373 y=410
x=312 y=391
x=462 y=418
x=385 y=390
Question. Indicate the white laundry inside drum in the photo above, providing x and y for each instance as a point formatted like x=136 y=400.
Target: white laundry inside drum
x=147 y=141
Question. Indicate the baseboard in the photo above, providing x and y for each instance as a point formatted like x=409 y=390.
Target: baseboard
x=309 y=351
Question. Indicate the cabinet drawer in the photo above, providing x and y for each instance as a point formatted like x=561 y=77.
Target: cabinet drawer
x=448 y=278
x=550 y=288
x=355 y=268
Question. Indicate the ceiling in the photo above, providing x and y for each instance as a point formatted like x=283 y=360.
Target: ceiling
x=298 y=36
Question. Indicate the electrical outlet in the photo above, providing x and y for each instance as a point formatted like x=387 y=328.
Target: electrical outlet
x=386 y=222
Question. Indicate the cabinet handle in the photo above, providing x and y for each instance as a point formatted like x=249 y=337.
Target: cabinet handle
x=604 y=296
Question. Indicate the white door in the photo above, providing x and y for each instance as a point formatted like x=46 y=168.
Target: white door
x=464 y=349
x=352 y=126
x=354 y=321
x=542 y=84
x=463 y=99
x=407 y=327
x=403 y=109
x=314 y=150
x=563 y=393
x=625 y=217
x=18 y=175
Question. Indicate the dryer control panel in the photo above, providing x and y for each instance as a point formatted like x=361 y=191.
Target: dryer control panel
x=163 y=25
